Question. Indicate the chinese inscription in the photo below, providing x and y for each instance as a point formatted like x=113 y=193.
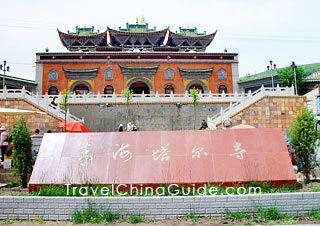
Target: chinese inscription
x=162 y=154
x=123 y=152
x=239 y=152
x=196 y=152
x=86 y=157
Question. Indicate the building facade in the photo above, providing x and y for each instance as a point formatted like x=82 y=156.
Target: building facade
x=138 y=58
x=12 y=82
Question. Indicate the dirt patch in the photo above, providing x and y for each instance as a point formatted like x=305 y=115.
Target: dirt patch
x=204 y=221
x=16 y=191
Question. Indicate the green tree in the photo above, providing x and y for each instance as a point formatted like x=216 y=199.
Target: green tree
x=21 y=155
x=127 y=95
x=303 y=135
x=286 y=77
x=195 y=101
x=64 y=103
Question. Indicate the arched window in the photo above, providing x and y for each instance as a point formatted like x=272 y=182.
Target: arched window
x=169 y=74
x=169 y=89
x=223 y=88
x=53 y=90
x=108 y=89
x=53 y=75
x=108 y=74
x=196 y=86
x=222 y=74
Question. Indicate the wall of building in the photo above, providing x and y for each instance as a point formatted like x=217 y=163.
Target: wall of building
x=157 y=208
x=119 y=82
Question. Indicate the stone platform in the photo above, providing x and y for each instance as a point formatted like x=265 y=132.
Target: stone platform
x=163 y=157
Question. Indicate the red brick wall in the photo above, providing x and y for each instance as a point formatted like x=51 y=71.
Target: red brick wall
x=119 y=80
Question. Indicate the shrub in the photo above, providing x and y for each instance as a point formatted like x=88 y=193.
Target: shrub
x=21 y=156
x=271 y=214
x=94 y=215
x=134 y=218
x=237 y=216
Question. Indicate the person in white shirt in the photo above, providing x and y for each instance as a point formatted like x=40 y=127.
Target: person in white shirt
x=4 y=141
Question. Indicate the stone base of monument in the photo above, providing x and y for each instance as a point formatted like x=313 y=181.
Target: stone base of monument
x=192 y=157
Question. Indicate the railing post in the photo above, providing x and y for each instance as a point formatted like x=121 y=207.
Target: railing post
x=230 y=106
x=46 y=101
x=241 y=98
x=74 y=97
x=221 y=115
x=157 y=97
x=236 y=96
x=292 y=90
x=99 y=97
x=37 y=98
x=114 y=97
x=223 y=95
x=143 y=96
x=5 y=92
x=186 y=96
x=262 y=89
x=278 y=89
x=23 y=91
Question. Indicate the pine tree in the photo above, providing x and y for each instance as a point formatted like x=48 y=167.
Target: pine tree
x=303 y=135
x=21 y=155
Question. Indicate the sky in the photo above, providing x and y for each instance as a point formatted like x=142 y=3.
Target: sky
x=258 y=30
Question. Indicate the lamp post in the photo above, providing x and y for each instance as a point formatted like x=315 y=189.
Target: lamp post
x=294 y=67
x=4 y=69
x=271 y=68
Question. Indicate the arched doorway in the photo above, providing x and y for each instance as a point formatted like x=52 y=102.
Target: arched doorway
x=81 y=89
x=196 y=86
x=139 y=87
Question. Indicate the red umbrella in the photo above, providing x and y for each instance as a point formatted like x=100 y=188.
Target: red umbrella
x=74 y=127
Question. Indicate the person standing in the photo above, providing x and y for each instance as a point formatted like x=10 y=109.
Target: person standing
x=120 y=128
x=204 y=125
x=4 y=141
x=37 y=132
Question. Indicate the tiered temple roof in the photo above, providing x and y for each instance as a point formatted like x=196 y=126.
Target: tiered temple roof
x=188 y=39
x=136 y=37
x=136 y=40
x=83 y=39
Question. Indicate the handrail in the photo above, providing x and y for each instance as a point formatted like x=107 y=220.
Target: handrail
x=147 y=98
x=236 y=107
x=238 y=101
x=38 y=101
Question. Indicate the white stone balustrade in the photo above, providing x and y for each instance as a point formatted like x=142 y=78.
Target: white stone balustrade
x=238 y=101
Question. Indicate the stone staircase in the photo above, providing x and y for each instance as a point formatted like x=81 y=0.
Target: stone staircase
x=42 y=102
x=246 y=101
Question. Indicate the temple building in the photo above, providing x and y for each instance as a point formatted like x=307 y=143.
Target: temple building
x=138 y=58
